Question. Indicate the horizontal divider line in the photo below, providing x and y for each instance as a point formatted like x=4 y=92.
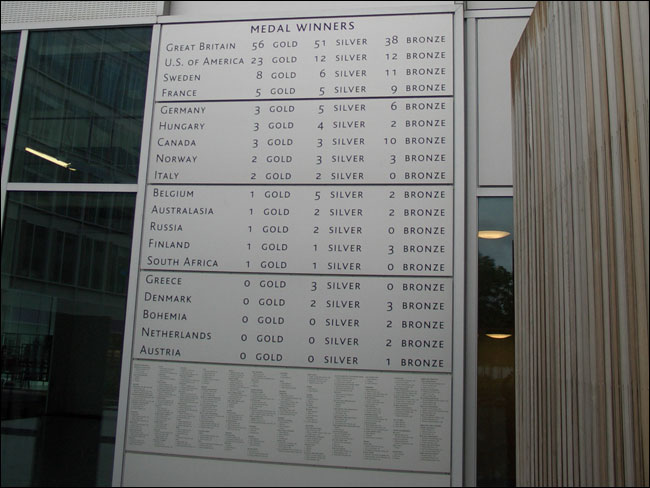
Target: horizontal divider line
x=398 y=97
x=302 y=184
x=293 y=274
x=279 y=366
x=266 y=461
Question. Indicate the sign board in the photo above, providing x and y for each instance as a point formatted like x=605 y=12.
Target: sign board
x=295 y=301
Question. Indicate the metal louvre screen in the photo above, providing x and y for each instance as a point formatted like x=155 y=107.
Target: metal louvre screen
x=24 y=12
x=580 y=131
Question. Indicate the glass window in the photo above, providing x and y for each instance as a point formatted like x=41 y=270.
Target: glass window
x=65 y=266
x=496 y=345
x=81 y=107
x=10 y=42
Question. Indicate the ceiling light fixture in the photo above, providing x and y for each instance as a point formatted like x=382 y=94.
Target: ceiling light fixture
x=51 y=159
x=498 y=336
x=493 y=234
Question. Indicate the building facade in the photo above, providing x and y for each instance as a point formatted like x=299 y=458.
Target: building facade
x=82 y=97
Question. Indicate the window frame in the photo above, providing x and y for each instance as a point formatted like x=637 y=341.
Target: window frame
x=137 y=188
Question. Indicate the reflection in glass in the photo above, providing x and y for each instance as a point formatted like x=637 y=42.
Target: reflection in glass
x=82 y=103
x=10 y=41
x=496 y=346
x=65 y=264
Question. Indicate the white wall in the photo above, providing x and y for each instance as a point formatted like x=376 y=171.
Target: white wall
x=243 y=8
x=496 y=41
